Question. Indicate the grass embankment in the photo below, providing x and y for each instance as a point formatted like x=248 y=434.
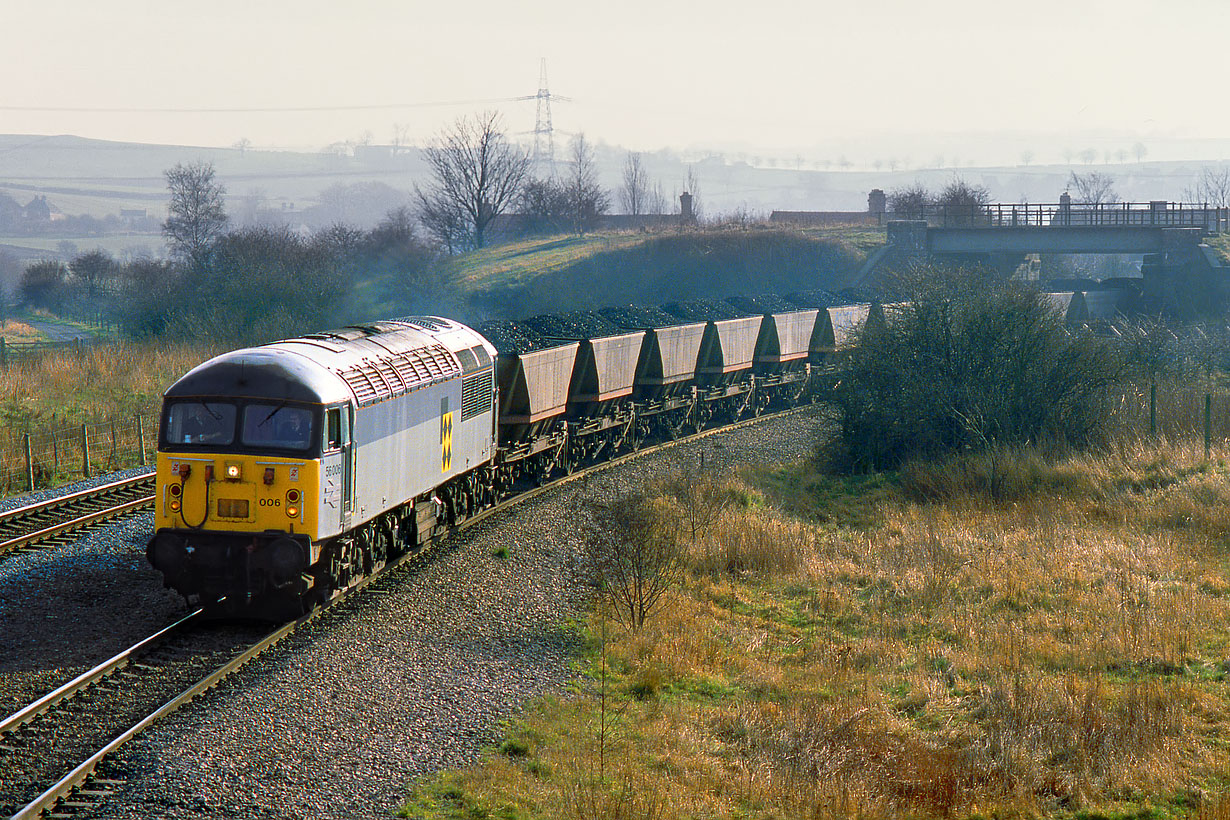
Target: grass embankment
x=903 y=645
x=524 y=278
x=18 y=331
x=1221 y=244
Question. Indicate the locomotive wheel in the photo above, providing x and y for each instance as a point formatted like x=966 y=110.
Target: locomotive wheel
x=382 y=543
x=363 y=542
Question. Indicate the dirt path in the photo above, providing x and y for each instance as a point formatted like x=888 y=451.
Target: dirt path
x=57 y=332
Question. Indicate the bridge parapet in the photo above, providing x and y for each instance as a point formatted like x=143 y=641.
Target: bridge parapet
x=1066 y=215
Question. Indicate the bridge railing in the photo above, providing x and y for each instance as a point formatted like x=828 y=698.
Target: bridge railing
x=1059 y=214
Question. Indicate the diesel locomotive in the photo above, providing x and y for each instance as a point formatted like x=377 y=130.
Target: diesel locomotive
x=288 y=471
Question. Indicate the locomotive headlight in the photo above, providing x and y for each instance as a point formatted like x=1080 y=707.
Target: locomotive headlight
x=176 y=490
x=174 y=505
x=292 y=496
x=233 y=471
x=292 y=512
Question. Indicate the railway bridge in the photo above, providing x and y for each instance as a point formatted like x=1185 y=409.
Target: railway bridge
x=1169 y=235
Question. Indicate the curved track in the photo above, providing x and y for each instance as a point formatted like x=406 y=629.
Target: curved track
x=52 y=522
x=78 y=725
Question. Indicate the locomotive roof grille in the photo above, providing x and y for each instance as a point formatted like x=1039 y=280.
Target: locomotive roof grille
x=425 y=322
x=374 y=381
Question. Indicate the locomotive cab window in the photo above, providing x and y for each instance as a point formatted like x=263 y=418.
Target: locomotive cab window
x=280 y=426
x=333 y=429
x=200 y=422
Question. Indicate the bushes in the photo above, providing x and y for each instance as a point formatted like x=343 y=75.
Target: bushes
x=969 y=364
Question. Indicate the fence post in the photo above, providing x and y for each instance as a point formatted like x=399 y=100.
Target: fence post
x=4 y=353
x=1208 y=424
x=1153 y=409
x=29 y=466
x=85 y=452
x=141 y=439
x=115 y=453
x=55 y=450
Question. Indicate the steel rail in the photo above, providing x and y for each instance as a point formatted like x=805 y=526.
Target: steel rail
x=79 y=775
x=14 y=519
x=86 y=679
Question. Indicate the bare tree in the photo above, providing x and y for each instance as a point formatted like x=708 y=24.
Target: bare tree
x=636 y=556
x=691 y=185
x=401 y=136
x=242 y=145
x=1140 y=151
x=196 y=216
x=476 y=173
x=910 y=202
x=587 y=200
x=702 y=497
x=1027 y=156
x=634 y=196
x=1212 y=187
x=95 y=270
x=962 y=202
x=1093 y=188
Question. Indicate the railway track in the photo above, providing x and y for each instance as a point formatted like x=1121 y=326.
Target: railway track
x=60 y=520
x=74 y=728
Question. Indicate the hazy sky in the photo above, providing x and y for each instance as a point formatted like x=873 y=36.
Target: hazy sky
x=777 y=76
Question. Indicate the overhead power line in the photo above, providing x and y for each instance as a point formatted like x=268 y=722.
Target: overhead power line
x=276 y=110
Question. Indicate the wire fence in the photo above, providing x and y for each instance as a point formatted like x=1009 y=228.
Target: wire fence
x=16 y=352
x=39 y=459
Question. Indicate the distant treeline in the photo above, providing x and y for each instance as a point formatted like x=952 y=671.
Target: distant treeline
x=252 y=284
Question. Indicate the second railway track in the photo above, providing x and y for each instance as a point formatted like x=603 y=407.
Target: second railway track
x=51 y=522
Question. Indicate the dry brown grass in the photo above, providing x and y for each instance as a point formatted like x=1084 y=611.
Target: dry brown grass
x=50 y=396
x=13 y=330
x=1061 y=649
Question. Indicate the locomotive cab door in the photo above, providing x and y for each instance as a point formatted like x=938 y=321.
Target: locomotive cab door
x=338 y=466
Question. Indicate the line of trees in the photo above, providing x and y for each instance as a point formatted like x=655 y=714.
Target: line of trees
x=251 y=283
x=477 y=175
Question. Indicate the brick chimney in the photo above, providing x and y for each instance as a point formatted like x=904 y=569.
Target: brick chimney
x=685 y=207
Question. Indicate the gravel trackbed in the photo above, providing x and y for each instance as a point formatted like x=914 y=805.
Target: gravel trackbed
x=411 y=677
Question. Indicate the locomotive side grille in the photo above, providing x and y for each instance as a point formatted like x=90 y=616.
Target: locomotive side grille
x=475 y=394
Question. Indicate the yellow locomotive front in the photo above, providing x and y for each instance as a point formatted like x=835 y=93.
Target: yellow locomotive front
x=240 y=486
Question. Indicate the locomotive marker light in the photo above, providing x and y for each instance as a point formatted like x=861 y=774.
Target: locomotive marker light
x=233 y=471
x=268 y=476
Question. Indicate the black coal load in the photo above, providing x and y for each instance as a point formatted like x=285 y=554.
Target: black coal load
x=764 y=303
x=703 y=310
x=856 y=296
x=513 y=337
x=636 y=317
x=576 y=324
x=814 y=299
